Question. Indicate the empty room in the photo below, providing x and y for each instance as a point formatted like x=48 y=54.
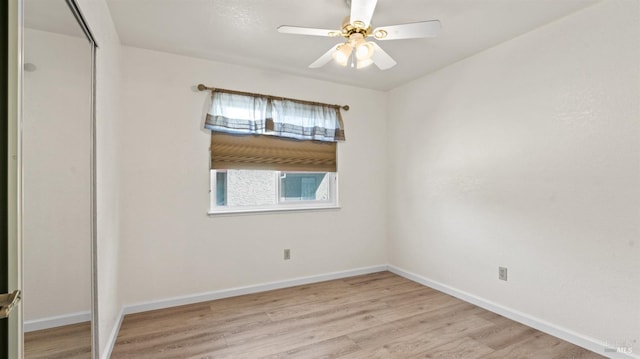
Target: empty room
x=321 y=179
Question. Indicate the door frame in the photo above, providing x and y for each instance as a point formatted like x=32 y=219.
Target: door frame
x=12 y=87
x=11 y=330
x=4 y=233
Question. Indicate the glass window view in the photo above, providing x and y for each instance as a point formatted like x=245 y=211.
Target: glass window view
x=257 y=189
x=304 y=186
x=221 y=188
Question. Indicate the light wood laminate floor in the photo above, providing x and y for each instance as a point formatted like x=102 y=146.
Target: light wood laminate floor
x=378 y=315
x=67 y=342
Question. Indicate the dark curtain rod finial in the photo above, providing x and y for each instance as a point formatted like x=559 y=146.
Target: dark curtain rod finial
x=202 y=87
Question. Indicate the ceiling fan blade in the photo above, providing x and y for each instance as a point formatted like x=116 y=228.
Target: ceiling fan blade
x=381 y=58
x=362 y=10
x=408 y=31
x=324 y=59
x=298 y=30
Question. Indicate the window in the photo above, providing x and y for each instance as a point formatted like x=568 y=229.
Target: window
x=263 y=190
x=272 y=153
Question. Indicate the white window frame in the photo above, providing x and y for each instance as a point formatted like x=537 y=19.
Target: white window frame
x=292 y=205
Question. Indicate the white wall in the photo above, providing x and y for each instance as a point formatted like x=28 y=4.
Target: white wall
x=107 y=121
x=56 y=176
x=170 y=247
x=527 y=155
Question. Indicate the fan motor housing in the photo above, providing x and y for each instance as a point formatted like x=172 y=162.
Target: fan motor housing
x=357 y=27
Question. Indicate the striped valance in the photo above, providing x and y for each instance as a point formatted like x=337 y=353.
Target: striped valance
x=244 y=113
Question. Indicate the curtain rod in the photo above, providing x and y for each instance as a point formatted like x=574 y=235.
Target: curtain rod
x=202 y=87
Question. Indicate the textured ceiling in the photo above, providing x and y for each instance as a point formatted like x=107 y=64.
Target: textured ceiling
x=244 y=32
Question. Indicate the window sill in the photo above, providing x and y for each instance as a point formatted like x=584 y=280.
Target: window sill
x=236 y=211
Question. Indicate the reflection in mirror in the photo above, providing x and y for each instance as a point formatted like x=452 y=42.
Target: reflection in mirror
x=56 y=145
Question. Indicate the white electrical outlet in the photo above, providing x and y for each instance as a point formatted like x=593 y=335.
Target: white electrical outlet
x=287 y=254
x=502 y=273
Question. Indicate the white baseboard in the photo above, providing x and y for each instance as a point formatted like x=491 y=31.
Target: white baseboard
x=111 y=342
x=226 y=293
x=541 y=325
x=57 y=321
x=233 y=292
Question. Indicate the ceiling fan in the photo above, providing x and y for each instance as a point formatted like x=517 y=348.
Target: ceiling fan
x=356 y=51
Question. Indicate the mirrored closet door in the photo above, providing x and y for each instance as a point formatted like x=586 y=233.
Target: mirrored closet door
x=57 y=170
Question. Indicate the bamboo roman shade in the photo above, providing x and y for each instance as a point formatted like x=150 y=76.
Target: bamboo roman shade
x=262 y=152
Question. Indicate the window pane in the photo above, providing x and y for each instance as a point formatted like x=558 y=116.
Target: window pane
x=304 y=186
x=242 y=190
x=308 y=187
x=221 y=188
x=250 y=188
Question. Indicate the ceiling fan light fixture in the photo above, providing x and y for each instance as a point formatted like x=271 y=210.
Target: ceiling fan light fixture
x=364 y=51
x=356 y=39
x=342 y=54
